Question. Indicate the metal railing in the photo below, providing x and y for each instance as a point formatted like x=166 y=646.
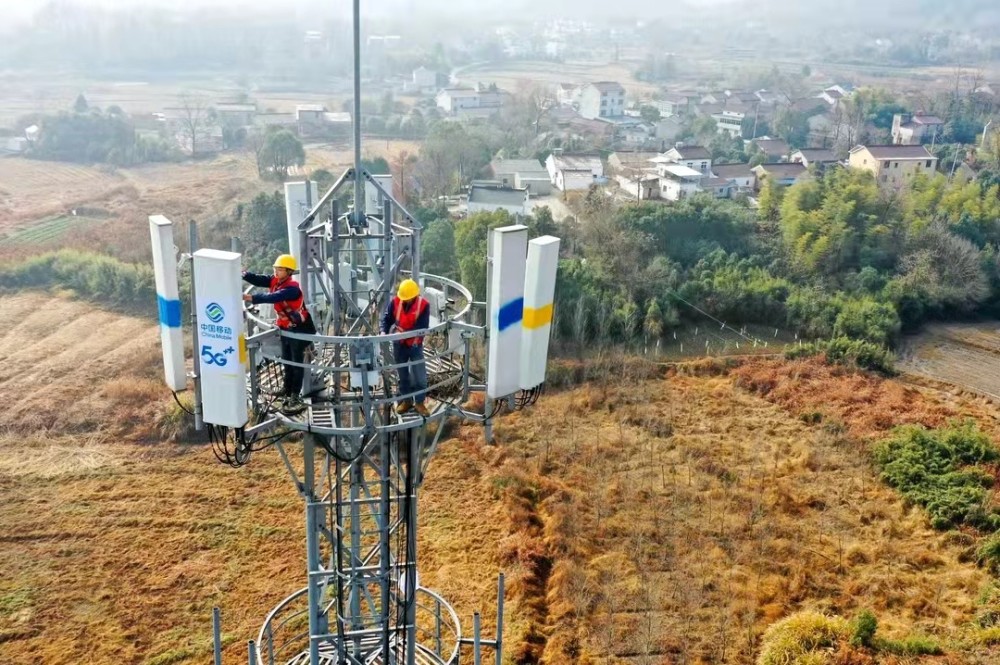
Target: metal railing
x=284 y=637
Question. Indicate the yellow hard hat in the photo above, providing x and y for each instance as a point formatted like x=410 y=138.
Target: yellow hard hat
x=408 y=290
x=286 y=261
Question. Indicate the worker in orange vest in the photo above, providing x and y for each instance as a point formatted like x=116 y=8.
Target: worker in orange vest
x=407 y=311
x=292 y=316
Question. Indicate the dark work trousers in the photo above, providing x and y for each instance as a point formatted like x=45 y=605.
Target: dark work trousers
x=414 y=377
x=294 y=350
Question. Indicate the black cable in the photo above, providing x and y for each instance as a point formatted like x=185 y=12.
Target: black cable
x=183 y=408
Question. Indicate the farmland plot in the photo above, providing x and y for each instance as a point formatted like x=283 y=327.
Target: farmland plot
x=967 y=355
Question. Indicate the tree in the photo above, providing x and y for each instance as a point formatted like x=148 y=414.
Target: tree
x=437 y=249
x=194 y=120
x=649 y=113
x=282 y=150
x=80 y=105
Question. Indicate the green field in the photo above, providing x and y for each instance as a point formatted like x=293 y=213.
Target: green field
x=46 y=230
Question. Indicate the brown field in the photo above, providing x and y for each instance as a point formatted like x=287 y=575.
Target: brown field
x=671 y=520
x=32 y=191
x=965 y=355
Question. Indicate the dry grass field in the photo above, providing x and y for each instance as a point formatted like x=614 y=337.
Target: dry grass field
x=34 y=192
x=671 y=519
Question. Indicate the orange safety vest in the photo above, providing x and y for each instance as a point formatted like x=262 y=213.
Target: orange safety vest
x=407 y=320
x=286 y=309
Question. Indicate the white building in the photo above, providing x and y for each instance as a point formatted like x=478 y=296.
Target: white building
x=522 y=173
x=917 y=128
x=604 y=99
x=572 y=172
x=481 y=101
x=692 y=156
x=490 y=198
x=678 y=181
x=730 y=122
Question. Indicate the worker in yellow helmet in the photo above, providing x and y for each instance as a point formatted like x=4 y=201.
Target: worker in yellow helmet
x=289 y=305
x=407 y=311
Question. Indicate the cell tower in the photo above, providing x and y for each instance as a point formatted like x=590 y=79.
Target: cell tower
x=362 y=463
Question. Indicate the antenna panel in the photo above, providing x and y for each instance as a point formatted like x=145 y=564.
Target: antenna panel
x=510 y=244
x=539 y=293
x=221 y=342
x=161 y=234
x=296 y=209
x=371 y=192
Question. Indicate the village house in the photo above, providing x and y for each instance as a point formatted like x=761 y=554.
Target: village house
x=674 y=103
x=235 y=115
x=692 y=156
x=820 y=157
x=604 y=99
x=773 y=150
x=780 y=174
x=893 y=165
x=729 y=122
x=574 y=171
x=480 y=102
x=567 y=94
x=677 y=181
x=741 y=175
x=523 y=174
x=309 y=119
x=490 y=198
x=916 y=128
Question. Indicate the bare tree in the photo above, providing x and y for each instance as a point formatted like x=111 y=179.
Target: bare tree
x=537 y=102
x=196 y=117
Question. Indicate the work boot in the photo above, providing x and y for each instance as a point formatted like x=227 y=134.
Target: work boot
x=404 y=406
x=422 y=410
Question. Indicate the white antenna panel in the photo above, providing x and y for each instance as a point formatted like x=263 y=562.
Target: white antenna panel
x=222 y=346
x=161 y=234
x=371 y=192
x=296 y=209
x=510 y=244
x=539 y=294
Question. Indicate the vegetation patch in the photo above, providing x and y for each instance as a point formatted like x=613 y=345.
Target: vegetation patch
x=92 y=276
x=846 y=351
x=939 y=470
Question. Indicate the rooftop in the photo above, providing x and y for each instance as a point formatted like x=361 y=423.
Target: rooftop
x=917 y=119
x=576 y=162
x=820 y=155
x=773 y=147
x=692 y=152
x=497 y=195
x=732 y=170
x=715 y=182
x=517 y=166
x=784 y=170
x=310 y=108
x=235 y=108
x=608 y=86
x=681 y=171
x=895 y=151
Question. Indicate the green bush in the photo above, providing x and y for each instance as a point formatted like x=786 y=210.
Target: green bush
x=92 y=276
x=850 y=352
x=988 y=554
x=863 y=629
x=936 y=469
x=909 y=646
